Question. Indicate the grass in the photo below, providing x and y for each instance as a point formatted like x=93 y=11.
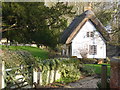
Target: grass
x=97 y=68
x=36 y=52
x=65 y=80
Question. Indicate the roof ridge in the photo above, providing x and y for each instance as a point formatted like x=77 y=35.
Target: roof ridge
x=88 y=14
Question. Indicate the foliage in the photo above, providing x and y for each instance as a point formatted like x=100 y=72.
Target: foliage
x=100 y=87
x=55 y=85
x=17 y=58
x=83 y=52
x=88 y=60
x=88 y=70
x=11 y=78
x=108 y=60
x=115 y=25
x=104 y=16
x=91 y=69
x=36 y=52
x=109 y=16
x=65 y=80
x=68 y=68
x=33 y=22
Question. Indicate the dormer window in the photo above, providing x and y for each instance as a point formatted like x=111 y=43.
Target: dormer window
x=90 y=34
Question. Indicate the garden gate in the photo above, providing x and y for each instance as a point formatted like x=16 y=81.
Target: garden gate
x=18 y=77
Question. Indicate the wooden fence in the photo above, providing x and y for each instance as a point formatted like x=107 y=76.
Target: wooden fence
x=25 y=77
x=50 y=77
x=18 y=77
x=2 y=82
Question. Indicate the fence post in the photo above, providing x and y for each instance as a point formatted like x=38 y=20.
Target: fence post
x=115 y=73
x=2 y=73
x=104 y=76
x=47 y=78
x=37 y=77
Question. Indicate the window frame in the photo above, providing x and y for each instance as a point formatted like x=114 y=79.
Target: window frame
x=93 y=49
x=90 y=34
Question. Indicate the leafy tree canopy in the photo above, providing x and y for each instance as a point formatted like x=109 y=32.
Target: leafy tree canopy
x=28 y=22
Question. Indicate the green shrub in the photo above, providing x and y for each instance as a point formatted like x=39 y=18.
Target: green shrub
x=100 y=87
x=108 y=60
x=66 y=80
x=68 y=68
x=17 y=58
x=88 y=70
x=91 y=69
x=88 y=60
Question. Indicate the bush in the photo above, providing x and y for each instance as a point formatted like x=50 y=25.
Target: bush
x=68 y=68
x=100 y=87
x=108 y=60
x=17 y=58
x=88 y=70
x=88 y=60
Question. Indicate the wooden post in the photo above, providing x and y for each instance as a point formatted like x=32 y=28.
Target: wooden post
x=115 y=73
x=47 y=78
x=67 y=50
x=54 y=75
x=2 y=70
x=0 y=74
x=37 y=77
x=40 y=78
x=104 y=76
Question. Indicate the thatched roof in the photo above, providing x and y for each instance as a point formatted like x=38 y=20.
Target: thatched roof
x=77 y=24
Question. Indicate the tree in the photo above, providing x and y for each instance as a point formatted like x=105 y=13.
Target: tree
x=115 y=23
x=34 y=22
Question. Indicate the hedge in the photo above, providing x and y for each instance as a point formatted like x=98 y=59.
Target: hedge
x=17 y=58
x=68 y=68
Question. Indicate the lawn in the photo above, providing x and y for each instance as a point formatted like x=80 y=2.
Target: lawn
x=36 y=52
x=96 y=68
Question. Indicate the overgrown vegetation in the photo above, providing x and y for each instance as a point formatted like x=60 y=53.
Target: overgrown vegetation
x=36 y=52
x=17 y=58
x=68 y=68
x=24 y=55
x=34 y=22
x=100 y=86
x=92 y=69
x=88 y=60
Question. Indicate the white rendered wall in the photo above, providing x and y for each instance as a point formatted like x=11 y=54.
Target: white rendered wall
x=81 y=42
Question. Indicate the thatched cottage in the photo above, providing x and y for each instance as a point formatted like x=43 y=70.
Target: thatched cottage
x=85 y=37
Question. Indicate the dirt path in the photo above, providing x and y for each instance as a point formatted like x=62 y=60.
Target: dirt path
x=87 y=82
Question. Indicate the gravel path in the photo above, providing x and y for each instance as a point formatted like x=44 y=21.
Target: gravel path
x=87 y=82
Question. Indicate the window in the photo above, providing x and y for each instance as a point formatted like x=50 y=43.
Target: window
x=92 y=49
x=90 y=34
x=87 y=34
